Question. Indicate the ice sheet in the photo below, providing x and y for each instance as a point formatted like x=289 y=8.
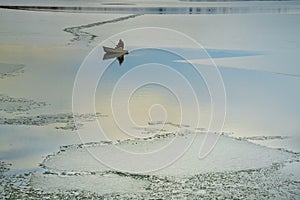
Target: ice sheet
x=228 y=155
x=231 y=170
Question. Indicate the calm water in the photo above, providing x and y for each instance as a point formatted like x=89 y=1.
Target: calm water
x=225 y=67
x=258 y=102
x=250 y=50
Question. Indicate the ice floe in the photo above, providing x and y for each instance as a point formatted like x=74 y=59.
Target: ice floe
x=229 y=154
x=12 y=104
x=234 y=169
x=63 y=121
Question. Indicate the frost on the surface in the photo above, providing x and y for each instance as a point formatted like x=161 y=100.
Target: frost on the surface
x=18 y=105
x=228 y=155
x=262 y=138
x=234 y=169
x=70 y=174
x=64 y=121
x=16 y=111
x=102 y=184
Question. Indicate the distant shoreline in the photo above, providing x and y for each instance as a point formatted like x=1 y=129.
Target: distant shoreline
x=131 y=9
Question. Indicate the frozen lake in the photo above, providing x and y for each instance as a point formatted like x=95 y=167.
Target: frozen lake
x=190 y=63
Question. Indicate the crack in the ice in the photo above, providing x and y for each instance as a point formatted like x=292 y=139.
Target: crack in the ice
x=79 y=34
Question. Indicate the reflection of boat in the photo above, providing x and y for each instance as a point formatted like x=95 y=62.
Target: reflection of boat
x=112 y=55
x=115 y=50
x=119 y=56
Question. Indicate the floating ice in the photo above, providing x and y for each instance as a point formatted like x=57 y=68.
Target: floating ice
x=12 y=104
x=104 y=184
x=274 y=137
x=228 y=155
x=234 y=169
x=63 y=121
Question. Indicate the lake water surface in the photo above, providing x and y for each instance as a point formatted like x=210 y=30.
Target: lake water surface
x=163 y=93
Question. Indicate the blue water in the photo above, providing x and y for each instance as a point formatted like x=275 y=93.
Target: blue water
x=258 y=102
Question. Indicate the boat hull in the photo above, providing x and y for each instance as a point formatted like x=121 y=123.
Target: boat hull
x=115 y=50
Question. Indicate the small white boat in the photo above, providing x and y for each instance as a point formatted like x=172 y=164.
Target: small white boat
x=115 y=50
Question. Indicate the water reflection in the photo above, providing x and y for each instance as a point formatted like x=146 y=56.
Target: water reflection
x=118 y=56
x=152 y=102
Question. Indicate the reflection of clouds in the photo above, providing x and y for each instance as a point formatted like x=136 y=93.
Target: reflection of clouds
x=143 y=99
x=217 y=54
x=152 y=102
x=190 y=84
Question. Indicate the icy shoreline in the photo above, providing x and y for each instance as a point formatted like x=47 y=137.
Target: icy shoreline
x=169 y=9
x=69 y=173
x=157 y=7
x=229 y=154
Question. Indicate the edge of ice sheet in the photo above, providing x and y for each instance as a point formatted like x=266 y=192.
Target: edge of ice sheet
x=229 y=154
x=236 y=168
